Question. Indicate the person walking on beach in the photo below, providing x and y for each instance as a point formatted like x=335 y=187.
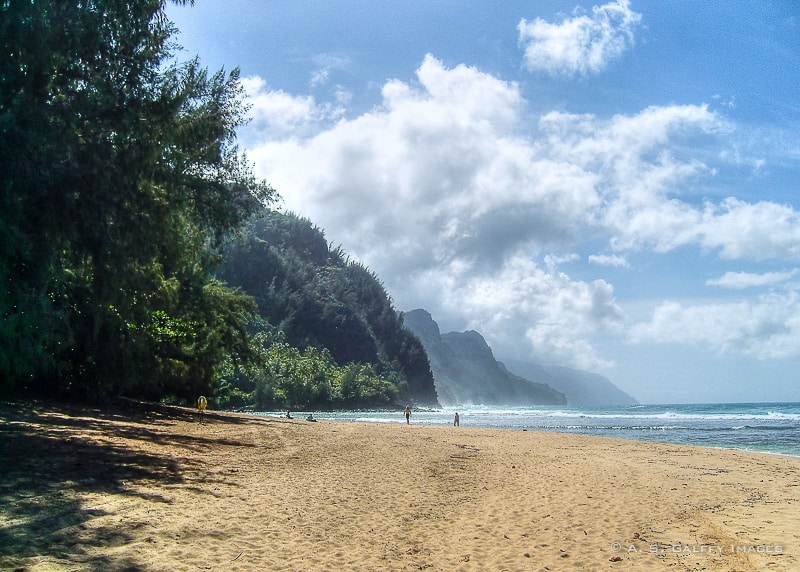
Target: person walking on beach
x=455 y=420
x=407 y=412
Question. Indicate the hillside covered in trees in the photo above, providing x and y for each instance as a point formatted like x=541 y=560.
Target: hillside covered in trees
x=121 y=187
x=314 y=298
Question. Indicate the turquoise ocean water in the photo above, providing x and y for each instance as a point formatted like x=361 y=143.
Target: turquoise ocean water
x=761 y=427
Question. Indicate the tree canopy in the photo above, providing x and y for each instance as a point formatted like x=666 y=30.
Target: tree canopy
x=121 y=180
x=122 y=190
x=332 y=311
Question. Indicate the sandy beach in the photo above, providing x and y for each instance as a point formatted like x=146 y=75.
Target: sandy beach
x=150 y=488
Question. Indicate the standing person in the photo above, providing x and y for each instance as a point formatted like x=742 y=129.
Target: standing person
x=407 y=412
x=455 y=420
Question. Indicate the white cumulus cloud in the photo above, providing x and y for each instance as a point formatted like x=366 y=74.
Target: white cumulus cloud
x=276 y=114
x=579 y=45
x=526 y=307
x=766 y=327
x=466 y=205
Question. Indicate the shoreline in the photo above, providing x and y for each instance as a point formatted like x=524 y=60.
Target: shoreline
x=662 y=424
x=152 y=488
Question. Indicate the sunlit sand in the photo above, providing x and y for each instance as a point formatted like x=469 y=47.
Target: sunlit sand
x=150 y=488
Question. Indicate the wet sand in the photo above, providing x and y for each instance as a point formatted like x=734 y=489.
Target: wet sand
x=150 y=488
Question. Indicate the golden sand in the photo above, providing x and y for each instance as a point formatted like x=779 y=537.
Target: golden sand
x=150 y=489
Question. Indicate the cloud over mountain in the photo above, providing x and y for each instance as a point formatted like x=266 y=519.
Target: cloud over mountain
x=454 y=192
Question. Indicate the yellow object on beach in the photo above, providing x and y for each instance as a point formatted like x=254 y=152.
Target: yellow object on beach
x=202 y=403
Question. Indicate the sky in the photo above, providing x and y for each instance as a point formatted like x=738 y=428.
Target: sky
x=606 y=186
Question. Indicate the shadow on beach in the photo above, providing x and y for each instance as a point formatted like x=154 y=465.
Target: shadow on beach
x=53 y=456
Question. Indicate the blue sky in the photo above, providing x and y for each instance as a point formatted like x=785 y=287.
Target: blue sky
x=609 y=186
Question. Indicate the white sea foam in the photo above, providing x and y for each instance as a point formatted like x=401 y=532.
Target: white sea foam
x=773 y=428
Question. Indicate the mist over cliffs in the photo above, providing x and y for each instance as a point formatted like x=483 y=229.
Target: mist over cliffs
x=465 y=371
x=578 y=386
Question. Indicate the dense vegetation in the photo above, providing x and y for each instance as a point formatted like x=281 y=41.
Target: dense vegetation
x=315 y=298
x=121 y=184
x=120 y=179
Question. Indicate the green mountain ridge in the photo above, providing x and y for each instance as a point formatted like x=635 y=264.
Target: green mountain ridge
x=313 y=297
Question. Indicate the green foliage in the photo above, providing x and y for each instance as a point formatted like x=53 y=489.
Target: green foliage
x=121 y=187
x=121 y=178
x=301 y=379
x=321 y=301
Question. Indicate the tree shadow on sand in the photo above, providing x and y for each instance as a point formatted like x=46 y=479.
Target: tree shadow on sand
x=52 y=455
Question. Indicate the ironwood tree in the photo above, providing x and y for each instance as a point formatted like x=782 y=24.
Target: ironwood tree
x=121 y=179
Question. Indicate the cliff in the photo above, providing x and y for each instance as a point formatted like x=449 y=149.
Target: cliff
x=466 y=372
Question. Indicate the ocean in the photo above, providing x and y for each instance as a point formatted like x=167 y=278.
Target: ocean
x=760 y=427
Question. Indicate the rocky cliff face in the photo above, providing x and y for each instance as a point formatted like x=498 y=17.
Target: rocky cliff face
x=466 y=372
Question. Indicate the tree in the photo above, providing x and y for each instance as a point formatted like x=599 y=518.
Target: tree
x=317 y=298
x=121 y=181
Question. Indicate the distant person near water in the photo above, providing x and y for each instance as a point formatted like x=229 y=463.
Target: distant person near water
x=455 y=420
x=407 y=413
x=310 y=417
